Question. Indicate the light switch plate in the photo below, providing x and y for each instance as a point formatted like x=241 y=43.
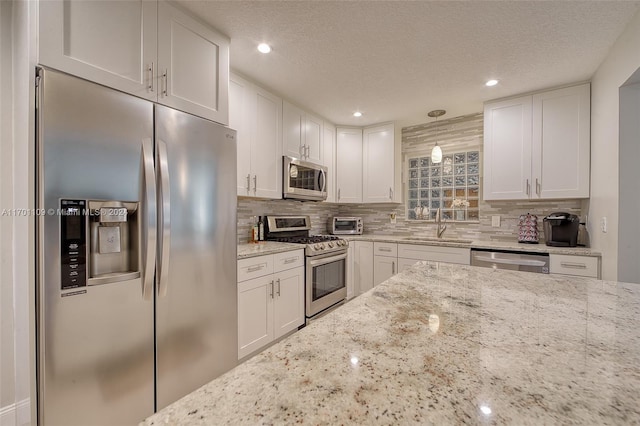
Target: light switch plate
x=495 y=221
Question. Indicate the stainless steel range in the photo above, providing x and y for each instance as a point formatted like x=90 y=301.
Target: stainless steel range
x=325 y=265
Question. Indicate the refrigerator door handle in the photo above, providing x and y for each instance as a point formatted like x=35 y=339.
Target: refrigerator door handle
x=164 y=215
x=149 y=237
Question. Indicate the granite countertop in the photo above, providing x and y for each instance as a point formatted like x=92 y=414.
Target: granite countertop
x=265 y=247
x=444 y=344
x=488 y=244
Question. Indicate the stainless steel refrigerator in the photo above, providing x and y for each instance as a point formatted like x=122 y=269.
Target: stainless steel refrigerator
x=136 y=240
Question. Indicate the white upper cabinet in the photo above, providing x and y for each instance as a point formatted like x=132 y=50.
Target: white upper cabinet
x=378 y=169
x=302 y=134
x=193 y=62
x=112 y=43
x=507 y=149
x=329 y=157
x=538 y=146
x=145 y=48
x=349 y=165
x=561 y=143
x=257 y=116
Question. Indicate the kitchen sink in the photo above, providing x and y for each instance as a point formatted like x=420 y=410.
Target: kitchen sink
x=439 y=240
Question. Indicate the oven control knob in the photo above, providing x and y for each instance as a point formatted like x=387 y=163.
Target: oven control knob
x=330 y=244
x=317 y=246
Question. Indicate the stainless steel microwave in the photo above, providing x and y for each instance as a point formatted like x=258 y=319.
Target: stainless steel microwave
x=302 y=180
x=341 y=225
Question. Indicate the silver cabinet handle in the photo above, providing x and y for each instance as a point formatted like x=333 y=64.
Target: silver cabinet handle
x=149 y=216
x=393 y=268
x=255 y=268
x=390 y=193
x=528 y=187
x=249 y=182
x=338 y=194
x=150 y=70
x=255 y=183
x=271 y=289
x=537 y=187
x=278 y=282
x=164 y=198
x=387 y=249
x=573 y=265
x=307 y=152
x=290 y=260
x=165 y=83
x=301 y=151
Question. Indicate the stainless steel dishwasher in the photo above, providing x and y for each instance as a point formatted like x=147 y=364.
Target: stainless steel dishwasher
x=510 y=259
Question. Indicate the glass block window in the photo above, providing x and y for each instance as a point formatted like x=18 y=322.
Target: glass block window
x=432 y=186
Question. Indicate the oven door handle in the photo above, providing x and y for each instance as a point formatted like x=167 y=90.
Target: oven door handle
x=325 y=260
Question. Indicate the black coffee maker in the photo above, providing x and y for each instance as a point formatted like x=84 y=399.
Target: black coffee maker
x=561 y=229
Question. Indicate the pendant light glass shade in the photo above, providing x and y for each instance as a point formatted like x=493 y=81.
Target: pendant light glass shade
x=436 y=152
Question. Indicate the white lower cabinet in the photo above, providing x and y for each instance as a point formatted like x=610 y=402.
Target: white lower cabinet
x=385 y=261
x=363 y=266
x=351 y=293
x=270 y=299
x=418 y=252
x=581 y=266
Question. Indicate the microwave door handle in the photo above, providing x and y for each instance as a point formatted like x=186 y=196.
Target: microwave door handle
x=323 y=180
x=149 y=215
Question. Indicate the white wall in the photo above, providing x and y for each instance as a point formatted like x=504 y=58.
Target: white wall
x=629 y=176
x=17 y=266
x=621 y=62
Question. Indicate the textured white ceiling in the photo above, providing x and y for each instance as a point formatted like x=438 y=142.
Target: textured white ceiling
x=397 y=60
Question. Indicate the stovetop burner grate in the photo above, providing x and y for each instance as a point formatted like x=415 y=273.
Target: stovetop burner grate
x=311 y=239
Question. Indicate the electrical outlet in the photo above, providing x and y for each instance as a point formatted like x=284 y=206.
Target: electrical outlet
x=603 y=224
x=495 y=221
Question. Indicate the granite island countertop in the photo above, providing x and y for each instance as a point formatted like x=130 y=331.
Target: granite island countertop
x=443 y=344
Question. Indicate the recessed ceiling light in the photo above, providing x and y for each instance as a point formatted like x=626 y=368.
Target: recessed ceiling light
x=357 y=114
x=264 y=48
x=491 y=83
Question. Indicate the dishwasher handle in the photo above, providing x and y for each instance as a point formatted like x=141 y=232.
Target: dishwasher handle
x=519 y=262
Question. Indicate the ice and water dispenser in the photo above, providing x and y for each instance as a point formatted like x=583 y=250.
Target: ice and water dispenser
x=100 y=242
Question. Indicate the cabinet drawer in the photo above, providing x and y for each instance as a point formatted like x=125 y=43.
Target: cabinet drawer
x=582 y=266
x=254 y=267
x=435 y=253
x=288 y=260
x=385 y=249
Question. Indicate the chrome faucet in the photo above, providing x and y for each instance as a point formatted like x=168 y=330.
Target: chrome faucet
x=441 y=228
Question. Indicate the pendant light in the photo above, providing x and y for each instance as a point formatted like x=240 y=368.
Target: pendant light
x=436 y=152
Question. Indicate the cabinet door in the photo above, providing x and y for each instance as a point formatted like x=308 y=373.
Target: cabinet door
x=313 y=138
x=288 y=313
x=363 y=266
x=239 y=120
x=292 y=130
x=255 y=314
x=384 y=268
x=507 y=149
x=561 y=143
x=349 y=165
x=378 y=168
x=351 y=293
x=404 y=264
x=329 y=159
x=266 y=147
x=193 y=65
x=111 y=43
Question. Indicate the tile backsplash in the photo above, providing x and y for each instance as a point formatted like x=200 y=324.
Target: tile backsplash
x=458 y=133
